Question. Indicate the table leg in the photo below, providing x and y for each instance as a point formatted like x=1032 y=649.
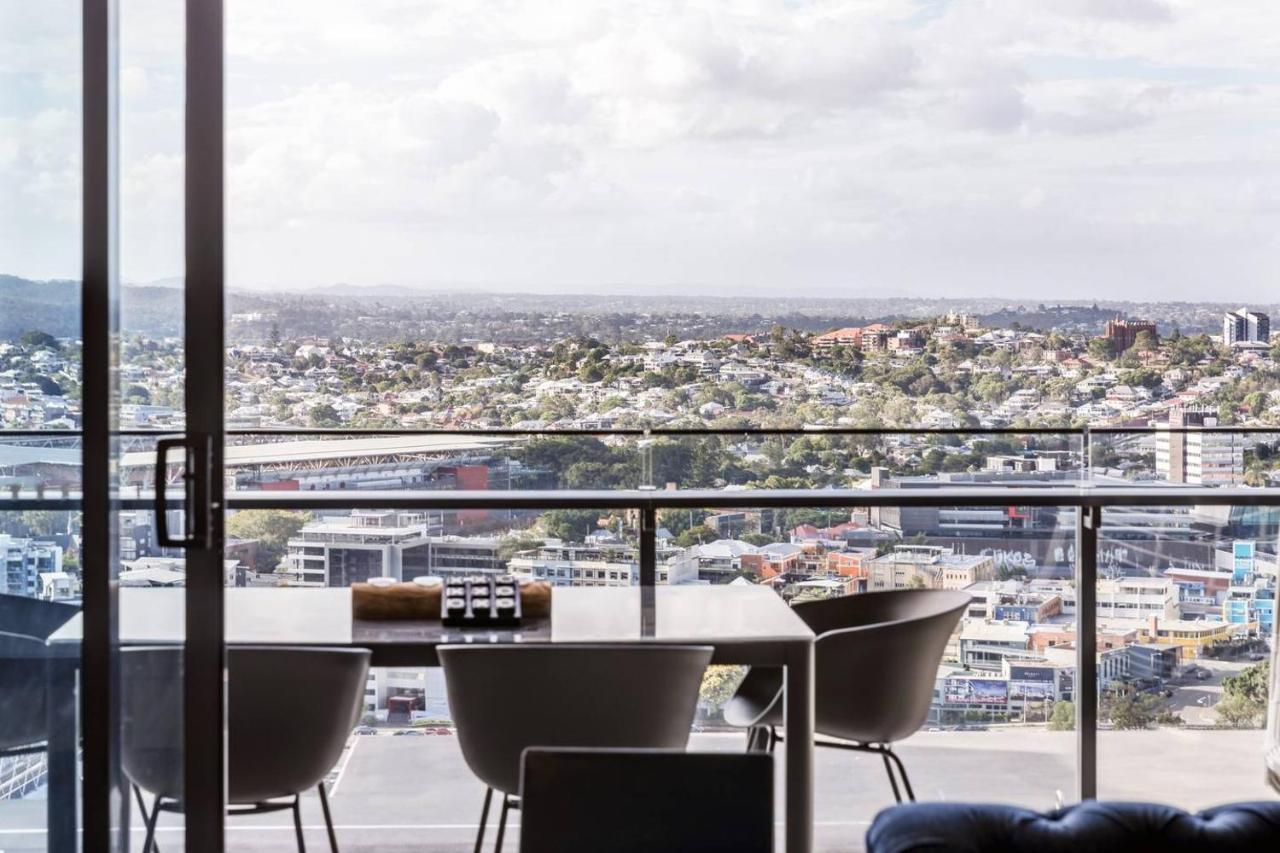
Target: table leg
x=62 y=813
x=799 y=748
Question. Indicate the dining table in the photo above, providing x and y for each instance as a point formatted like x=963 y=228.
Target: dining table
x=743 y=624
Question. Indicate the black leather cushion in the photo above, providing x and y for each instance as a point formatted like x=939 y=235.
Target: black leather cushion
x=1090 y=827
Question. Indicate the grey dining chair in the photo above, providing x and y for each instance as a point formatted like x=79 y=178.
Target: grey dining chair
x=290 y=710
x=24 y=726
x=642 y=800
x=507 y=698
x=876 y=662
x=25 y=626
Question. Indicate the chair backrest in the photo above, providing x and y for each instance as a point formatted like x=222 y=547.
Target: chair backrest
x=506 y=698
x=640 y=801
x=23 y=719
x=876 y=659
x=33 y=616
x=290 y=710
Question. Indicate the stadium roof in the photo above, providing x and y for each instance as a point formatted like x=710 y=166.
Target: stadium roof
x=328 y=450
x=12 y=455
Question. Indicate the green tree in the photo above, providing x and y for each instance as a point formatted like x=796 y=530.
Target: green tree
x=512 y=545
x=36 y=339
x=719 y=684
x=324 y=415
x=571 y=525
x=1063 y=718
x=1131 y=710
x=273 y=528
x=1244 y=697
x=695 y=536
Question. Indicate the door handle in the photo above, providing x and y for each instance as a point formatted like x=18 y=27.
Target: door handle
x=196 y=492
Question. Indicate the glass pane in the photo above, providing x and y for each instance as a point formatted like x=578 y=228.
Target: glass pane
x=40 y=361
x=1187 y=606
x=150 y=394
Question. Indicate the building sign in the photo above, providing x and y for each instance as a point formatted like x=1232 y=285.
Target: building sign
x=976 y=691
x=1022 y=672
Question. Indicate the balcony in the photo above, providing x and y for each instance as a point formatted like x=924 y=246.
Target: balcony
x=407 y=790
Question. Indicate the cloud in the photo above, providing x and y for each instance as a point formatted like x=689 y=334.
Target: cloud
x=1074 y=146
x=1129 y=11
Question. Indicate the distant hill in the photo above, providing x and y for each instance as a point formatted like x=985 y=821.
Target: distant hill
x=54 y=307
x=395 y=313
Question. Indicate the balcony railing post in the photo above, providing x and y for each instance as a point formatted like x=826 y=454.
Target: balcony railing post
x=648 y=545
x=1088 y=521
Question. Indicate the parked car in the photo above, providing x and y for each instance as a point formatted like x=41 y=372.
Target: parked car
x=409 y=733
x=366 y=730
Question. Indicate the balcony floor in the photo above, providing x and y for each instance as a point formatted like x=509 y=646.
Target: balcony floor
x=415 y=793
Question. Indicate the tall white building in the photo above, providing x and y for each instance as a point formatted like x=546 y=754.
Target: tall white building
x=1189 y=451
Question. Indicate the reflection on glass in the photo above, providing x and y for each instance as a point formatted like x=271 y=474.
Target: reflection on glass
x=1186 y=606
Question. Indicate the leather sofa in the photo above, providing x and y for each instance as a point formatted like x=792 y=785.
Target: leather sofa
x=1089 y=827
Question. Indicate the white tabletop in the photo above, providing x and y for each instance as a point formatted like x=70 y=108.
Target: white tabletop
x=718 y=615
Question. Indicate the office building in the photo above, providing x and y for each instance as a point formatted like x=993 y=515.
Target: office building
x=927 y=567
x=342 y=550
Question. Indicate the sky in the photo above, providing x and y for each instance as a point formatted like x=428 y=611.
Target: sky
x=1055 y=149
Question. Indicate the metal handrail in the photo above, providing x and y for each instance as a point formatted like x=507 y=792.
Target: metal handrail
x=648 y=432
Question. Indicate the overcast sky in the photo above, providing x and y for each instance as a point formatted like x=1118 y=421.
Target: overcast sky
x=1037 y=149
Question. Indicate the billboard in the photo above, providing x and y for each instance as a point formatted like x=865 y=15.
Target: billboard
x=1031 y=691
x=976 y=691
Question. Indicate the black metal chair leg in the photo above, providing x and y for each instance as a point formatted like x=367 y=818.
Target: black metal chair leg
x=149 y=842
x=902 y=771
x=328 y=818
x=758 y=739
x=297 y=823
x=502 y=823
x=142 y=809
x=484 y=818
x=888 y=768
x=773 y=739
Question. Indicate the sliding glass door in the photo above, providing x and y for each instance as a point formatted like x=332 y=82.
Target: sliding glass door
x=152 y=682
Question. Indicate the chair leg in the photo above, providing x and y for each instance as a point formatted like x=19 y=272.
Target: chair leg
x=328 y=818
x=902 y=771
x=758 y=739
x=773 y=739
x=893 y=781
x=502 y=823
x=297 y=823
x=149 y=842
x=484 y=818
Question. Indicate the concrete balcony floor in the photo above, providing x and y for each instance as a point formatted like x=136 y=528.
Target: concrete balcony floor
x=395 y=793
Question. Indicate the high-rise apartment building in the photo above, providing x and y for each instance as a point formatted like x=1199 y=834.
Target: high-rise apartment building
x=1189 y=451
x=1245 y=327
x=23 y=560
